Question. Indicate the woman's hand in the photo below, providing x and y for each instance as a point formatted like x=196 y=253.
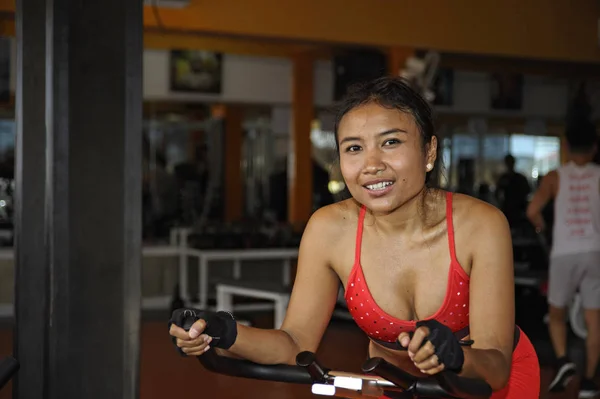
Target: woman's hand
x=192 y=343
x=423 y=356
x=433 y=348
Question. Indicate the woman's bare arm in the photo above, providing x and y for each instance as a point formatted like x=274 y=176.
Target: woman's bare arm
x=311 y=304
x=491 y=305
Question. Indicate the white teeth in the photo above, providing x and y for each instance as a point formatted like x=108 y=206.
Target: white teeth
x=379 y=186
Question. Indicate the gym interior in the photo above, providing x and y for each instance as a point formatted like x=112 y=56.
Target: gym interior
x=170 y=154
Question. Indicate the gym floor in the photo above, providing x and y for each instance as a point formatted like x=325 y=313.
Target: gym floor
x=165 y=374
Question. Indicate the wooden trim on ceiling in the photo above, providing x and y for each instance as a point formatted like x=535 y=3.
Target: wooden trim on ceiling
x=535 y=29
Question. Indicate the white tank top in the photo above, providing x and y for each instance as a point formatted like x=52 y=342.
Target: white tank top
x=577 y=210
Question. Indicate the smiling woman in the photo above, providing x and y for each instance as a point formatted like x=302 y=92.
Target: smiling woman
x=404 y=134
x=388 y=150
x=428 y=274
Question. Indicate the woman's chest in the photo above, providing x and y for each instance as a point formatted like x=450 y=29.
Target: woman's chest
x=406 y=280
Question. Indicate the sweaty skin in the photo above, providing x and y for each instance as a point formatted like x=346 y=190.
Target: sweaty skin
x=405 y=255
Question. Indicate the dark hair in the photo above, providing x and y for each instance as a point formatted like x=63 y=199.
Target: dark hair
x=509 y=160
x=580 y=131
x=394 y=93
x=581 y=137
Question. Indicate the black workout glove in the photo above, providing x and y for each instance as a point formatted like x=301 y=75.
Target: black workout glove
x=447 y=347
x=221 y=326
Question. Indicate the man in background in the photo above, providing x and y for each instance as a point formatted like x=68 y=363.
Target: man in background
x=512 y=190
x=575 y=251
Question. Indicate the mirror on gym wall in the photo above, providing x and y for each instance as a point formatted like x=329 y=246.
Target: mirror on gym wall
x=474 y=161
x=182 y=165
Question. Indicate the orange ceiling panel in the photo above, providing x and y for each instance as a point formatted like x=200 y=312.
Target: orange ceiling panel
x=540 y=29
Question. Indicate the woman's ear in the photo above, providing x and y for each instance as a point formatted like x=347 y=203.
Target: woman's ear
x=431 y=153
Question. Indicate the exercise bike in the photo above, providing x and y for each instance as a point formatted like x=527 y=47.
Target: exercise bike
x=8 y=368
x=380 y=378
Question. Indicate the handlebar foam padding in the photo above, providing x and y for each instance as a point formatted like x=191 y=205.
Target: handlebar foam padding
x=246 y=369
x=8 y=367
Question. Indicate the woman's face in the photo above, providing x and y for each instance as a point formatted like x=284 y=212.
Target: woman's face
x=382 y=158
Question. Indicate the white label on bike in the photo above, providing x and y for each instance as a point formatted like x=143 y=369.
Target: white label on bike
x=323 y=389
x=354 y=384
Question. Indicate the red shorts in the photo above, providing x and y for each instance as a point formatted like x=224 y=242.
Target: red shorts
x=524 y=381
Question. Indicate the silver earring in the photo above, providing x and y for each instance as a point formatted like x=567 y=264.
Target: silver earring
x=429 y=167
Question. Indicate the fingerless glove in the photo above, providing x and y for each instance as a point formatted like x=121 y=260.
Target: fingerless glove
x=220 y=326
x=447 y=347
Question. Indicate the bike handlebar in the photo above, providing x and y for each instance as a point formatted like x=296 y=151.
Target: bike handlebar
x=246 y=369
x=446 y=385
x=308 y=371
x=8 y=367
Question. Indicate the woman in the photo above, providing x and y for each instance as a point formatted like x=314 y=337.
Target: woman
x=415 y=262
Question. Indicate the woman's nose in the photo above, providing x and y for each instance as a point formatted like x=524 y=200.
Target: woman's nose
x=374 y=162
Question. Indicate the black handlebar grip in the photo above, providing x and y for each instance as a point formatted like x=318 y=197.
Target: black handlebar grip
x=379 y=366
x=308 y=360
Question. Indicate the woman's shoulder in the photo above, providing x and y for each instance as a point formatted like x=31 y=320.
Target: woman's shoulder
x=328 y=228
x=473 y=215
x=335 y=217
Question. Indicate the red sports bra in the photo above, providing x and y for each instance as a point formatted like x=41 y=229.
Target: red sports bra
x=381 y=326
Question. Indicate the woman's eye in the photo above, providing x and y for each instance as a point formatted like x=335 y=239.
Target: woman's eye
x=352 y=148
x=391 y=142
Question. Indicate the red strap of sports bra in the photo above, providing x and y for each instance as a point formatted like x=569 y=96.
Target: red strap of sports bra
x=450 y=224
x=359 y=231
